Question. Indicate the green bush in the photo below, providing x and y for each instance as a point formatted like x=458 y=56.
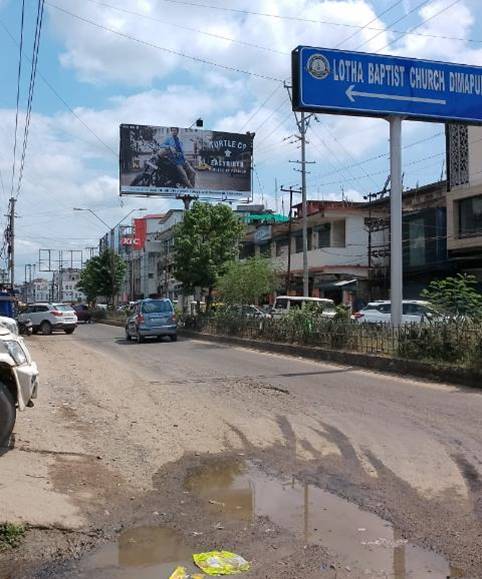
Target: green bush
x=10 y=535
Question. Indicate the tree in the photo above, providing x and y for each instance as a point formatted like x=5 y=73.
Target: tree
x=205 y=242
x=246 y=282
x=102 y=276
x=455 y=296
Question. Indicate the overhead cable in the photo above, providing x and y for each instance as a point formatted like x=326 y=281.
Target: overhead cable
x=164 y=49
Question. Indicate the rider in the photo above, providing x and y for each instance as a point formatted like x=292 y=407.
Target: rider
x=173 y=147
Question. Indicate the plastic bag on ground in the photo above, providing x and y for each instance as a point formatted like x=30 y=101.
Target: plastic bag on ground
x=221 y=563
x=181 y=573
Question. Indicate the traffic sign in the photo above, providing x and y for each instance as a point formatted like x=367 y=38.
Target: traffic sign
x=356 y=83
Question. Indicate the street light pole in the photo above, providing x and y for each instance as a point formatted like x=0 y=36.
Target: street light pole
x=109 y=230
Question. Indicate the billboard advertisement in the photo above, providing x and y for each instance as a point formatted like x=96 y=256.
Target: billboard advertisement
x=170 y=161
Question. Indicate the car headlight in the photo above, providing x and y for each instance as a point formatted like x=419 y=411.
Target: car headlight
x=16 y=351
x=11 y=326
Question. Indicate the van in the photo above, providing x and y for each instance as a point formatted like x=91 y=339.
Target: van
x=283 y=304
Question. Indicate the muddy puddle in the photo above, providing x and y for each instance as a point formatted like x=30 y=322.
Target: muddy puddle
x=359 y=542
x=140 y=552
x=358 y=539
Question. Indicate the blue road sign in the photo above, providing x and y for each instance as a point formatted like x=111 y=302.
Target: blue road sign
x=356 y=83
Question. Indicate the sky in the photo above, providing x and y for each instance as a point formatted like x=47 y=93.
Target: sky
x=173 y=61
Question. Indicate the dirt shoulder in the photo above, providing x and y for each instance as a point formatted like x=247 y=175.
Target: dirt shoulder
x=117 y=429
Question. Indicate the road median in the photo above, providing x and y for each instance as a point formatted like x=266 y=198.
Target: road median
x=415 y=368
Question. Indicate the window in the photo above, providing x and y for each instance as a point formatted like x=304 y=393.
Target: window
x=324 y=235
x=385 y=308
x=156 y=307
x=299 y=243
x=338 y=233
x=416 y=249
x=281 y=247
x=281 y=304
x=470 y=217
x=265 y=250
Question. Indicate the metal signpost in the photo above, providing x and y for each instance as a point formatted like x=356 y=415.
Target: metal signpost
x=393 y=88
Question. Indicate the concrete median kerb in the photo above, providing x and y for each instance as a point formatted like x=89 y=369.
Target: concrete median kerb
x=425 y=370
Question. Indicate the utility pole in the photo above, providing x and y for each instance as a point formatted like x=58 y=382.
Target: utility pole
x=396 y=279
x=10 y=234
x=290 y=221
x=303 y=123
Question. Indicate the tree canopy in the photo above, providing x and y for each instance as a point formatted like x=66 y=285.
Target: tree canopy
x=102 y=276
x=205 y=242
x=455 y=296
x=246 y=282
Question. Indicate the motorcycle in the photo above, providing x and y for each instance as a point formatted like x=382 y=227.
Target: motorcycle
x=158 y=172
x=25 y=327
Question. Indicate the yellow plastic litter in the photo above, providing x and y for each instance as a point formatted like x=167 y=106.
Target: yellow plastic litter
x=221 y=563
x=181 y=573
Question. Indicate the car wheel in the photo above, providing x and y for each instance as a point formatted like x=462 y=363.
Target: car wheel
x=34 y=330
x=69 y=331
x=46 y=328
x=128 y=336
x=173 y=338
x=8 y=414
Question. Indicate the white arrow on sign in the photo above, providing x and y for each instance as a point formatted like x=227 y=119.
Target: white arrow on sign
x=351 y=94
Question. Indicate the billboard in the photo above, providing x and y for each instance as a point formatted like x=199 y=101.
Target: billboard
x=169 y=161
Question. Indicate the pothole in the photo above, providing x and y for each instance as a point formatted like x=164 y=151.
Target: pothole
x=140 y=552
x=360 y=540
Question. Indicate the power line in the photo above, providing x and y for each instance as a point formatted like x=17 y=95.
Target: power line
x=33 y=73
x=183 y=27
x=61 y=99
x=314 y=21
x=19 y=75
x=424 y=21
x=384 y=155
x=377 y=17
x=263 y=104
x=164 y=49
x=393 y=23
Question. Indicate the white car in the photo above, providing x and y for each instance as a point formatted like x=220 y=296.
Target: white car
x=283 y=304
x=413 y=312
x=47 y=317
x=18 y=381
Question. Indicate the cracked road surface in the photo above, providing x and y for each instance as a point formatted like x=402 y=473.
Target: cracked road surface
x=119 y=427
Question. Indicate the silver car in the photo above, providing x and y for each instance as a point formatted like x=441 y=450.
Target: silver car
x=47 y=317
x=152 y=318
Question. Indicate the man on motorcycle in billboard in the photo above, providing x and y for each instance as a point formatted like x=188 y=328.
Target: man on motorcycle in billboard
x=172 y=147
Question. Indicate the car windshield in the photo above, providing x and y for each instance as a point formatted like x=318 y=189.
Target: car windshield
x=63 y=308
x=156 y=307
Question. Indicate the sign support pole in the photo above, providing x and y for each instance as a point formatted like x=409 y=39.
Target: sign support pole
x=396 y=252
x=306 y=289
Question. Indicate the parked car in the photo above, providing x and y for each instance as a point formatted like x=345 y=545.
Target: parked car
x=152 y=318
x=413 y=312
x=283 y=304
x=10 y=324
x=248 y=311
x=47 y=317
x=18 y=380
x=83 y=313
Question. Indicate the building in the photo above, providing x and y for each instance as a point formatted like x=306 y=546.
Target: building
x=338 y=256
x=37 y=290
x=168 y=285
x=64 y=286
x=464 y=198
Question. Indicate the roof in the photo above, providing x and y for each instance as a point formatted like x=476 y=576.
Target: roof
x=263 y=217
x=304 y=298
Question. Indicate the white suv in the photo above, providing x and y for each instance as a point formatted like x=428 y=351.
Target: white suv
x=47 y=317
x=413 y=312
x=18 y=381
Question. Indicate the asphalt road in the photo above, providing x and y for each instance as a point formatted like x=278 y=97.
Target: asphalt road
x=114 y=417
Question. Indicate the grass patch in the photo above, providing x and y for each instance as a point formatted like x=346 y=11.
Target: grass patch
x=10 y=535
